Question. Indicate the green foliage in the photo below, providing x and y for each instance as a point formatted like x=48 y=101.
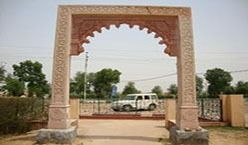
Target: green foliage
x=77 y=84
x=104 y=80
x=16 y=112
x=204 y=94
x=14 y=86
x=31 y=73
x=199 y=85
x=242 y=88
x=130 y=89
x=2 y=73
x=98 y=84
x=172 y=90
x=38 y=90
x=230 y=90
x=219 y=81
x=158 y=90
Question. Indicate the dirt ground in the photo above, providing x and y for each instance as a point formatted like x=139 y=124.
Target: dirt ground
x=228 y=136
x=132 y=132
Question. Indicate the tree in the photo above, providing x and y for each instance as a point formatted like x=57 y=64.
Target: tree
x=2 y=73
x=242 y=88
x=14 y=86
x=31 y=73
x=130 y=89
x=172 y=90
x=199 y=86
x=219 y=81
x=158 y=90
x=104 y=80
x=77 y=84
x=90 y=81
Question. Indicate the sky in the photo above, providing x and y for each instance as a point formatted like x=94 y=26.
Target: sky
x=27 y=31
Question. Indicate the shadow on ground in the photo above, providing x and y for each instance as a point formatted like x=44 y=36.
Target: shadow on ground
x=142 y=138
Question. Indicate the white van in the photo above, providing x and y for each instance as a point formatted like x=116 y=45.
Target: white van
x=136 y=102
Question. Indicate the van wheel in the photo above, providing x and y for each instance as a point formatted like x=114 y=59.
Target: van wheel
x=127 y=108
x=152 y=107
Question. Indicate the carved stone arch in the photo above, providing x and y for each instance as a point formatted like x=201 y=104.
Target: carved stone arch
x=76 y=23
x=165 y=27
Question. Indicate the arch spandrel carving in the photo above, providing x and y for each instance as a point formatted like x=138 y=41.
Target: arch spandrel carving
x=165 y=27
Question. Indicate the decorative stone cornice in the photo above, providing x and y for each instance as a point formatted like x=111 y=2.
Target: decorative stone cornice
x=163 y=21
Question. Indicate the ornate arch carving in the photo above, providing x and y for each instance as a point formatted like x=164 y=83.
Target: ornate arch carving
x=165 y=27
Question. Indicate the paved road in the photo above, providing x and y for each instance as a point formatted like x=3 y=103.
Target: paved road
x=122 y=132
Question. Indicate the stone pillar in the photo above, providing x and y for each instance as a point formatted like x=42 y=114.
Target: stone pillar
x=59 y=107
x=59 y=123
x=187 y=130
x=187 y=110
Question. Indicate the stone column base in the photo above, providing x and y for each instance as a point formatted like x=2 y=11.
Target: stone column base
x=58 y=136
x=181 y=137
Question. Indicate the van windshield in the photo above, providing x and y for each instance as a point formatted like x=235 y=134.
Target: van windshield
x=129 y=98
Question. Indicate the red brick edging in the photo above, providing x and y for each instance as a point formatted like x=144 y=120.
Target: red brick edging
x=123 y=116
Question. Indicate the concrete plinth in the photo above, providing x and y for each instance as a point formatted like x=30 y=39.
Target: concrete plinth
x=58 y=136
x=181 y=137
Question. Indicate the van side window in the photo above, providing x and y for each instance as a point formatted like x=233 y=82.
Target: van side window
x=139 y=98
x=154 y=97
x=147 y=97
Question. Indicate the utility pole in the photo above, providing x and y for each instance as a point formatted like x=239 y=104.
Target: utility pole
x=85 y=74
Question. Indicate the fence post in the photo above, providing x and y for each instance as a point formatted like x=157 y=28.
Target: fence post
x=221 y=110
x=170 y=111
x=233 y=110
x=98 y=105
x=202 y=107
x=224 y=108
x=74 y=108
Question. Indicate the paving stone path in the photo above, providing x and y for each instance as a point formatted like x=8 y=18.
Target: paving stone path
x=122 y=132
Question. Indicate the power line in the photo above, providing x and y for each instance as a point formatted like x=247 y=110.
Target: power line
x=173 y=74
x=153 y=78
x=238 y=71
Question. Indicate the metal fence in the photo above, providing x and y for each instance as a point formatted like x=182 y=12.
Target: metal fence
x=210 y=108
x=91 y=107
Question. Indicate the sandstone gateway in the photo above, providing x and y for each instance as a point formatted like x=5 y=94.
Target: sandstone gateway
x=173 y=24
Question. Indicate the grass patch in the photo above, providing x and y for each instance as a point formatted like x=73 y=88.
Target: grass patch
x=227 y=128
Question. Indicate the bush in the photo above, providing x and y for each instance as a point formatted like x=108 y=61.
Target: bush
x=16 y=112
